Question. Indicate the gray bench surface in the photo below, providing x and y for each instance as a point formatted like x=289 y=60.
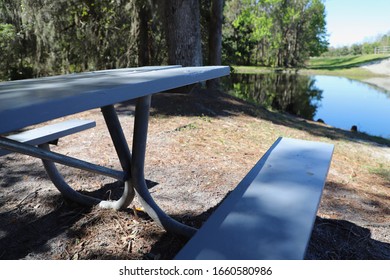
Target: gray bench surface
x=271 y=213
x=49 y=133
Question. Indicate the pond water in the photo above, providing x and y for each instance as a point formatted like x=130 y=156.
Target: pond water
x=339 y=102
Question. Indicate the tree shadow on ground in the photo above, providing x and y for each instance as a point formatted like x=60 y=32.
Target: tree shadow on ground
x=360 y=205
x=331 y=240
x=23 y=232
x=342 y=240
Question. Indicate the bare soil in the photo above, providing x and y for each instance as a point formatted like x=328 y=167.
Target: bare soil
x=200 y=146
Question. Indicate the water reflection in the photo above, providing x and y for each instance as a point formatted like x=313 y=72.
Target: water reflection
x=295 y=94
x=339 y=102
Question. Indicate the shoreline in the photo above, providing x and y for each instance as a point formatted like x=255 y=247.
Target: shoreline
x=380 y=68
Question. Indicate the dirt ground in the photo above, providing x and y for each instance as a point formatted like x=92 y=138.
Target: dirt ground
x=200 y=146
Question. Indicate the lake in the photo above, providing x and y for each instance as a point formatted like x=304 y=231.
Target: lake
x=339 y=102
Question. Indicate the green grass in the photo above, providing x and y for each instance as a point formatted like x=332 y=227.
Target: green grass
x=381 y=171
x=343 y=62
x=344 y=66
x=251 y=69
x=356 y=73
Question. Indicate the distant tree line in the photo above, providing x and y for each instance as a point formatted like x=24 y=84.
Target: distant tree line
x=48 y=37
x=360 y=49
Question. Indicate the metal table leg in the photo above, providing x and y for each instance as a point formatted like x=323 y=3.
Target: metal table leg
x=124 y=155
x=137 y=172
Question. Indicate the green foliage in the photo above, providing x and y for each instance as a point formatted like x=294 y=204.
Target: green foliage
x=281 y=33
x=46 y=37
x=54 y=37
x=7 y=45
x=238 y=34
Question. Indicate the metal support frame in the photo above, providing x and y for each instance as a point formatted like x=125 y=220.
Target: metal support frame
x=132 y=165
x=57 y=179
x=124 y=156
x=36 y=152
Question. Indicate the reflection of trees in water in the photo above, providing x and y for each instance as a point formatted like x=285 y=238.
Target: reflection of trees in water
x=295 y=94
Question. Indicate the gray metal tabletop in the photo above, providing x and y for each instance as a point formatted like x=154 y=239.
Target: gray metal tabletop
x=32 y=101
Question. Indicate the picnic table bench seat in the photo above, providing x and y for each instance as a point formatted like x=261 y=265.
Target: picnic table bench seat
x=50 y=133
x=271 y=213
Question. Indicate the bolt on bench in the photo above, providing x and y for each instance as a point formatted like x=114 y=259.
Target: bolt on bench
x=271 y=213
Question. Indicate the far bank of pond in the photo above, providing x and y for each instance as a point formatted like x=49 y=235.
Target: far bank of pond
x=338 y=101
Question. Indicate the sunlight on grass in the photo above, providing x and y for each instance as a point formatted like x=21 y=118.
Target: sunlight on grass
x=381 y=171
x=344 y=66
x=341 y=62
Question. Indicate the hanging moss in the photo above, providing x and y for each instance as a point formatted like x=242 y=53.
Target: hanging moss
x=64 y=36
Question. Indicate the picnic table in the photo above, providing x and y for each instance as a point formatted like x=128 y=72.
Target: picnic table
x=269 y=215
x=35 y=101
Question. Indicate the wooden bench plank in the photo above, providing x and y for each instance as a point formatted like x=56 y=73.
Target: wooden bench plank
x=271 y=213
x=50 y=132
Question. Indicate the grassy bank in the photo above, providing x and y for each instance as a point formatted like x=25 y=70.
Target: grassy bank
x=343 y=62
x=346 y=66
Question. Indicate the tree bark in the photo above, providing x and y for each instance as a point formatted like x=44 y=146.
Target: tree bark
x=215 y=37
x=183 y=32
x=143 y=36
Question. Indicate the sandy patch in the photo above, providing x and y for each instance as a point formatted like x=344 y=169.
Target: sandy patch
x=381 y=67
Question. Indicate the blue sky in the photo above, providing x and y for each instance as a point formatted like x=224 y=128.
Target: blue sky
x=356 y=21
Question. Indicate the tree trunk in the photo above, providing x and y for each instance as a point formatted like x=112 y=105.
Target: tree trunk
x=183 y=32
x=215 y=38
x=215 y=32
x=143 y=36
